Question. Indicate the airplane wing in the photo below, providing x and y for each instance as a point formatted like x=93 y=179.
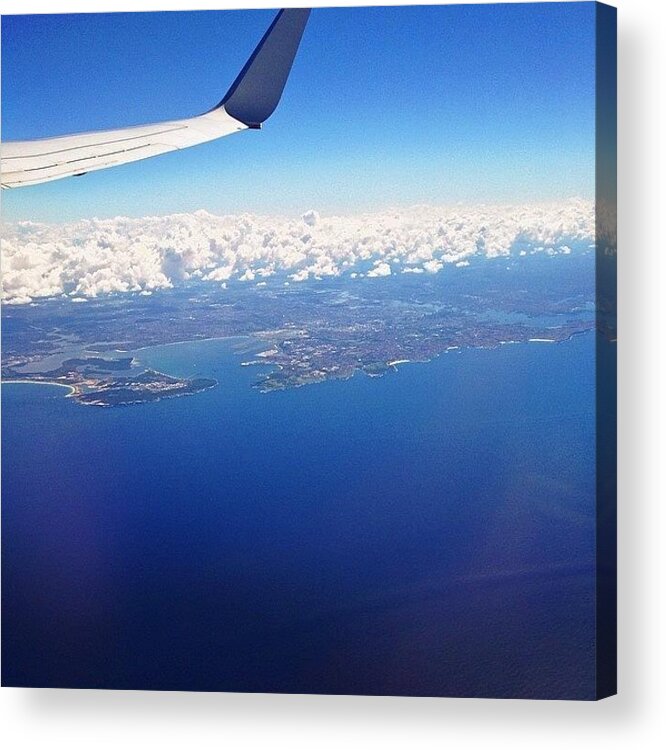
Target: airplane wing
x=252 y=98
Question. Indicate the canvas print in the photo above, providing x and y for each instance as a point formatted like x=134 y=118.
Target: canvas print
x=308 y=350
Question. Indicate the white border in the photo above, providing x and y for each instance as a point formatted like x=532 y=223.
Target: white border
x=54 y=719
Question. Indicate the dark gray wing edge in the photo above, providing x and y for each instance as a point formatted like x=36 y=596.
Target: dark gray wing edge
x=255 y=93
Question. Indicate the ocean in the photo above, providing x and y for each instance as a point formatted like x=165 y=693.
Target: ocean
x=430 y=532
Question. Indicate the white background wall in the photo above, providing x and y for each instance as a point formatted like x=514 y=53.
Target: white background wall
x=95 y=719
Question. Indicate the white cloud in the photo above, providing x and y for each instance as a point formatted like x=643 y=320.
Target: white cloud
x=301 y=275
x=433 y=266
x=380 y=269
x=95 y=257
x=310 y=218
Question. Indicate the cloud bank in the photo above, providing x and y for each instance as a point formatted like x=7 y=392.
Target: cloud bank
x=95 y=257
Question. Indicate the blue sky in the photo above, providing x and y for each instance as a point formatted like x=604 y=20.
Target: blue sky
x=385 y=106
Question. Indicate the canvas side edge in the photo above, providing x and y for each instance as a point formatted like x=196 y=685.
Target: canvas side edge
x=606 y=349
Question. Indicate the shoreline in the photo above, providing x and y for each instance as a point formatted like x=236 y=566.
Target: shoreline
x=266 y=363
x=71 y=388
x=190 y=341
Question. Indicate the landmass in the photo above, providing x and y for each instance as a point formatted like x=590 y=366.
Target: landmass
x=93 y=381
x=303 y=359
x=141 y=389
x=304 y=333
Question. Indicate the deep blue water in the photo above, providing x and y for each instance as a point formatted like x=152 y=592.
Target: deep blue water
x=428 y=533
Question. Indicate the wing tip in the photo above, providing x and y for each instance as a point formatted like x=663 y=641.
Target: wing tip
x=256 y=92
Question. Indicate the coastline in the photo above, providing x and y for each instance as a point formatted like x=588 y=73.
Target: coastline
x=243 y=336
x=72 y=389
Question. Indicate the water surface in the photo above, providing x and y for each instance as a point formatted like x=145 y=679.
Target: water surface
x=426 y=533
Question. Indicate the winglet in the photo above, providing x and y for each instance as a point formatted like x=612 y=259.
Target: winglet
x=255 y=94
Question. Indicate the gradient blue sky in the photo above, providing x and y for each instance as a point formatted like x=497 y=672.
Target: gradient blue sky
x=385 y=106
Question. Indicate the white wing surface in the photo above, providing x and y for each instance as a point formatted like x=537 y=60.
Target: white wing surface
x=251 y=99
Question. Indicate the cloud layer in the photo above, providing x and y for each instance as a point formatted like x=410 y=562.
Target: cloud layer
x=95 y=257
